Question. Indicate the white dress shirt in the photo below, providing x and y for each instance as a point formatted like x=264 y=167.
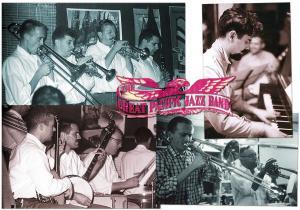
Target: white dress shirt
x=99 y=52
x=215 y=64
x=70 y=164
x=18 y=70
x=71 y=94
x=134 y=161
x=147 y=68
x=243 y=194
x=29 y=171
x=107 y=175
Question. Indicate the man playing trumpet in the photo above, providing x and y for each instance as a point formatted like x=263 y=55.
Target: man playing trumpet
x=245 y=192
x=105 y=53
x=148 y=68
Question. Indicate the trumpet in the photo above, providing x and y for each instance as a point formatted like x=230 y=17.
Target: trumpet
x=109 y=74
x=134 y=52
x=230 y=153
x=76 y=71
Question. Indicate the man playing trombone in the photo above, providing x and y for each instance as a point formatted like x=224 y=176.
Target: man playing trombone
x=23 y=71
x=181 y=173
x=105 y=53
x=63 y=39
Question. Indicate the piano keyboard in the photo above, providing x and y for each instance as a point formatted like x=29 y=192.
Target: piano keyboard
x=282 y=122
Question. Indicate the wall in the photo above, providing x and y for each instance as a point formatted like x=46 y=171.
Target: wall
x=19 y=12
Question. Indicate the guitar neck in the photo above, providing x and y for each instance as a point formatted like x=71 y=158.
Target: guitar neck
x=89 y=170
x=105 y=136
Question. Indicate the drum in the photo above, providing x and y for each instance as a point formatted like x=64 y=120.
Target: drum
x=80 y=186
x=144 y=200
x=113 y=201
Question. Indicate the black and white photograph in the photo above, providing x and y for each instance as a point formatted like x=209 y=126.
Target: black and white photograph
x=239 y=172
x=252 y=43
x=76 y=156
x=73 y=53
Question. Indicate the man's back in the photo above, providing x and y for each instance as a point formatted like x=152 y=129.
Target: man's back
x=134 y=161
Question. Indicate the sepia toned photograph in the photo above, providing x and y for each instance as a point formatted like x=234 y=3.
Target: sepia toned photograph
x=94 y=158
x=250 y=42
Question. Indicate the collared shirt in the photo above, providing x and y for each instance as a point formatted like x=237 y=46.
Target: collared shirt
x=70 y=164
x=147 y=68
x=169 y=163
x=107 y=175
x=99 y=52
x=71 y=94
x=243 y=194
x=18 y=70
x=215 y=65
x=29 y=171
x=11 y=137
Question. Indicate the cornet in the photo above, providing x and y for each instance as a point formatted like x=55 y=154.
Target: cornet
x=134 y=52
x=230 y=154
x=109 y=74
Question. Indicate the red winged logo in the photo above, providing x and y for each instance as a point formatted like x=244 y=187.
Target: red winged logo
x=142 y=89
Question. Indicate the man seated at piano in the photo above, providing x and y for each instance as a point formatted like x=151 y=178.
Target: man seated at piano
x=140 y=159
x=236 y=27
x=255 y=58
x=107 y=179
x=69 y=161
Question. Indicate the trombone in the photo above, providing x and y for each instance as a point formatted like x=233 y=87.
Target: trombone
x=134 y=52
x=75 y=70
x=231 y=153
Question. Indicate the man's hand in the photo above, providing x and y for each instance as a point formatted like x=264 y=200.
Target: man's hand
x=199 y=161
x=119 y=45
x=132 y=182
x=46 y=67
x=69 y=193
x=82 y=199
x=271 y=167
x=266 y=116
x=102 y=155
x=272 y=132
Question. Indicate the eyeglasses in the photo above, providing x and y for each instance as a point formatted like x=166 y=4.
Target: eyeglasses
x=118 y=141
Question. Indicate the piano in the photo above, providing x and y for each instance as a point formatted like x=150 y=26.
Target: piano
x=277 y=97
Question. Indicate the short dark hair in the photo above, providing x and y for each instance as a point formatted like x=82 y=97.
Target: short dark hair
x=38 y=115
x=29 y=25
x=142 y=135
x=62 y=31
x=105 y=22
x=241 y=21
x=66 y=127
x=48 y=95
x=147 y=34
x=176 y=120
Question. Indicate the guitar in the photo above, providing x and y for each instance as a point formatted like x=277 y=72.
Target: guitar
x=80 y=183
